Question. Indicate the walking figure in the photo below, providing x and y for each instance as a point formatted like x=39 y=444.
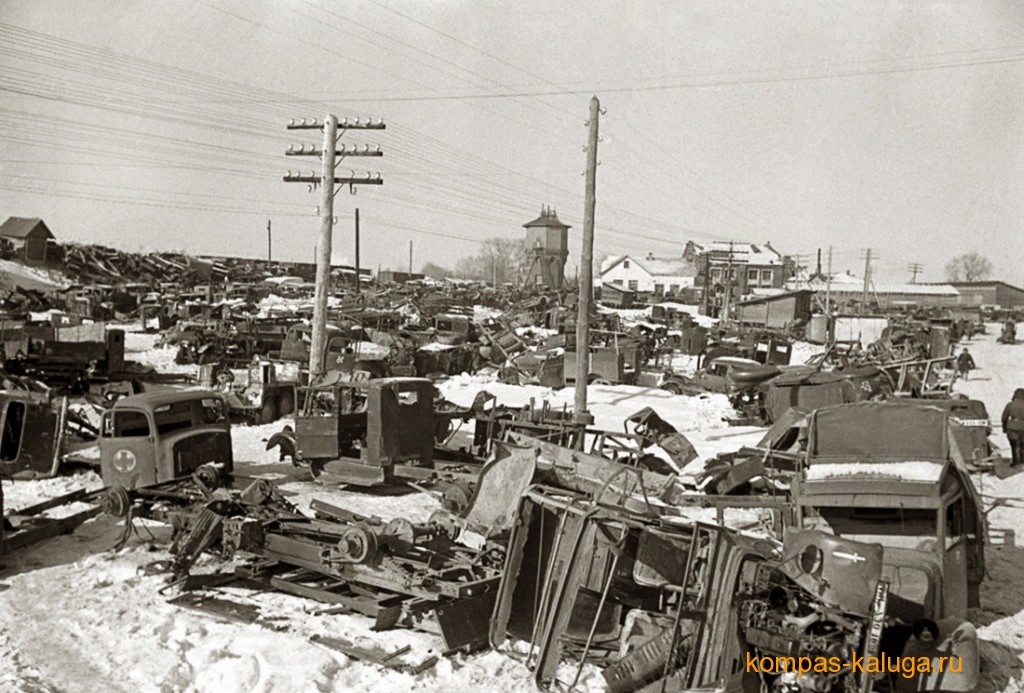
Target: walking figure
x=964 y=363
x=1013 y=426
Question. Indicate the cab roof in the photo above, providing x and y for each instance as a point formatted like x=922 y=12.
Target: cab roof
x=152 y=400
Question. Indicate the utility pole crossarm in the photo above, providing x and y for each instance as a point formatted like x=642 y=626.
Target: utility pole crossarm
x=343 y=151
x=311 y=177
x=343 y=124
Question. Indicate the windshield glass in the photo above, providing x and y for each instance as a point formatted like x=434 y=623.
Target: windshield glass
x=181 y=415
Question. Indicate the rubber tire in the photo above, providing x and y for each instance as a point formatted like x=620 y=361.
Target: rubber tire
x=285 y=404
x=674 y=388
x=268 y=413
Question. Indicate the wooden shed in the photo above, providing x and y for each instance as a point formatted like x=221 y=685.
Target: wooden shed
x=775 y=311
x=30 y=238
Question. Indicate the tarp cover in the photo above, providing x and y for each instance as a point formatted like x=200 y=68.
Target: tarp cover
x=877 y=429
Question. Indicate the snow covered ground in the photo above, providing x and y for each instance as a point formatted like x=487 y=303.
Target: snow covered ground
x=141 y=347
x=80 y=617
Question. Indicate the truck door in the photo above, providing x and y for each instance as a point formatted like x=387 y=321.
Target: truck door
x=11 y=435
x=127 y=449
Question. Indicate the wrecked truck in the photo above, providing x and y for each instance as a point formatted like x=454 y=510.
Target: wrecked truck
x=896 y=475
x=681 y=605
x=154 y=438
x=363 y=432
x=33 y=434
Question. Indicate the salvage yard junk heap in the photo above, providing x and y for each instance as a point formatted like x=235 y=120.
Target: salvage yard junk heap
x=588 y=553
x=575 y=540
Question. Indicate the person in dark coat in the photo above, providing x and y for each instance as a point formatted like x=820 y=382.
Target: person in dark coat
x=964 y=363
x=1013 y=426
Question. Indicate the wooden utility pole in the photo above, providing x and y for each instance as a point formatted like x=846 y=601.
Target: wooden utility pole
x=359 y=279
x=727 y=305
x=828 y=284
x=585 y=272
x=270 y=247
x=706 y=299
x=914 y=267
x=327 y=181
x=410 y=258
x=318 y=343
x=867 y=280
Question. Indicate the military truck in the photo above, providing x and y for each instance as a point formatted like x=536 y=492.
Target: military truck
x=664 y=604
x=896 y=474
x=152 y=438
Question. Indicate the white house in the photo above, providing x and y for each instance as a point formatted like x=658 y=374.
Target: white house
x=650 y=274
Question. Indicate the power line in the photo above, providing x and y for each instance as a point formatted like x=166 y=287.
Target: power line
x=497 y=190
x=689 y=85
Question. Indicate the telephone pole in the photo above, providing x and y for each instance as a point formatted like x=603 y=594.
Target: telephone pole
x=585 y=272
x=828 y=284
x=359 y=279
x=410 y=258
x=270 y=246
x=727 y=304
x=326 y=182
x=318 y=342
x=914 y=267
x=867 y=278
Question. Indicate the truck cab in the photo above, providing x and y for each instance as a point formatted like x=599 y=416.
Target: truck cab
x=31 y=434
x=152 y=438
x=896 y=475
x=361 y=431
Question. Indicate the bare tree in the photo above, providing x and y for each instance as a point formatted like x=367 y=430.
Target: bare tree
x=434 y=271
x=969 y=267
x=504 y=259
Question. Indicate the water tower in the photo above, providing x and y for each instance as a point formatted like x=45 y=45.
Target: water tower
x=548 y=241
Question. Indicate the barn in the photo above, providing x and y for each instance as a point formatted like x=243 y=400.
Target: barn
x=30 y=238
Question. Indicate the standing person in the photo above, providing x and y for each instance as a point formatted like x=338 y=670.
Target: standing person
x=964 y=363
x=1013 y=426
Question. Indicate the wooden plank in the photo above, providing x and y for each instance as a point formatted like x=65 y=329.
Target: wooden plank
x=376 y=656
x=46 y=529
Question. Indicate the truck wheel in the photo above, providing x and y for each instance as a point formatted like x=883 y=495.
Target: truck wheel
x=268 y=413
x=674 y=388
x=285 y=404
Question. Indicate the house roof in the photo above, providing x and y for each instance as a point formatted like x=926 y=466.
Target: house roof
x=23 y=227
x=985 y=284
x=907 y=289
x=846 y=283
x=742 y=253
x=666 y=267
x=654 y=266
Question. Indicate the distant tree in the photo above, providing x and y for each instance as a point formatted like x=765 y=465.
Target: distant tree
x=506 y=259
x=435 y=271
x=969 y=267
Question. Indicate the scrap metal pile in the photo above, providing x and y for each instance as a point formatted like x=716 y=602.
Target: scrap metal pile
x=579 y=542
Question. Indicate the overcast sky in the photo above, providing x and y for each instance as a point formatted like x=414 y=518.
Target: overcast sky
x=161 y=124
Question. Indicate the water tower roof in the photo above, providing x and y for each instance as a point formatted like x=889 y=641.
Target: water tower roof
x=548 y=219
